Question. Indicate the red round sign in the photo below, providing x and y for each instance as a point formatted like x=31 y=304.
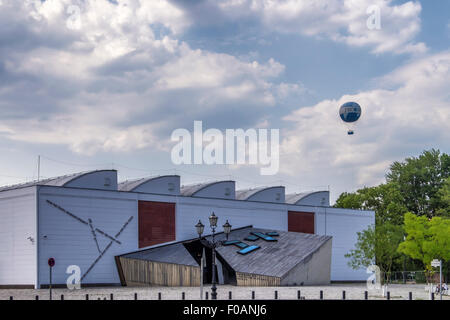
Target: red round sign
x=51 y=262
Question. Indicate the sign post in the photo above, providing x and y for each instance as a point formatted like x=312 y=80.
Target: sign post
x=202 y=262
x=51 y=263
x=440 y=279
x=438 y=263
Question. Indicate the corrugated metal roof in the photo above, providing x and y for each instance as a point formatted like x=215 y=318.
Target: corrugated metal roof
x=293 y=198
x=60 y=181
x=192 y=189
x=130 y=185
x=245 y=194
x=274 y=258
x=174 y=253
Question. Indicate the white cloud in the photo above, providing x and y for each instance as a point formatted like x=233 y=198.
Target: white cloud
x=409 y=112
x=340 y=20
x=114 y=84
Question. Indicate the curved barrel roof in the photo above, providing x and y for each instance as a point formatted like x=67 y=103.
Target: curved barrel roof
x=317 y=198
x=167 y=184
x=69 y=180
x=217 y=189
x=262 y=194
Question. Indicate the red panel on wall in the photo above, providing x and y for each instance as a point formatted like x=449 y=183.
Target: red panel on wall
x=156 y=222
x=301 y=221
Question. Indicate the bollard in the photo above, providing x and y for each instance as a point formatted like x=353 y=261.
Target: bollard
x=343 y=295
x=87 y=296
x=388 y=295
x=135 y=296
x=112 y=297
x=37 y=298
x=276 y=294
x=253 y=295
x=159 y=295
x=11 y=298
x=62 y=297
x=321 y=295
x=206 y=295
x=230 y=295
x=410 y=295
x=298 y=295
x=432 y=296
x=182 y=296
x=366 y=295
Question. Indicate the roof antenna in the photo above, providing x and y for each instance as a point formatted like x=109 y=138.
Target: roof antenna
x=39 y=168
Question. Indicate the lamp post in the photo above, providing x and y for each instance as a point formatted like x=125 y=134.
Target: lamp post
x=213 y=245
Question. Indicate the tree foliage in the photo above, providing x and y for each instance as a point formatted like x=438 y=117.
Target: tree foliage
x=426 y=239
x=419 y=181
x=385 y=199
x=377 y=245
x=444 y=197
x=419 y=185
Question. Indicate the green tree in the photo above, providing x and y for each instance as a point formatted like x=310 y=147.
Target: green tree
x=377 y=245
x=385 y=199
x=444 y=197
x=419 y=185
x=426 y=239
x=419 y=180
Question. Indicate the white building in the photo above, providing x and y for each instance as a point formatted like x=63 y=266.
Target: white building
x=88 y=219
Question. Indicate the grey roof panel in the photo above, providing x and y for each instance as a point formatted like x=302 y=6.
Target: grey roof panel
x=60 y=181
x=174 y=253
x=274 y=258
x=247 y=193
x=294 y=198
x=192 y=189
x=130 y=185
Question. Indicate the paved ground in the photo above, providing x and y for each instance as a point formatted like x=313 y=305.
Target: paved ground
x=352 y=291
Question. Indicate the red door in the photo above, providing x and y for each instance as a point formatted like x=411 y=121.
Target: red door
x=156 y=222
x=301 y=221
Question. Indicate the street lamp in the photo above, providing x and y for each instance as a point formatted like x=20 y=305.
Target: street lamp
x=227 y=228
x=200 y=227
x=213 y=245
x=213 y=221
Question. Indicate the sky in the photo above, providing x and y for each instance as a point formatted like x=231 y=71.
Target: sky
x=102 y=84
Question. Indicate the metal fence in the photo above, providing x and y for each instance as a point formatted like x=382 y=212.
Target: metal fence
x=250 y=295
x=413 y=277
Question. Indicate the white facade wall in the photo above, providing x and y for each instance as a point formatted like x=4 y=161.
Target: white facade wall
x=343 y=226
x=71 y=242
x=18 y=237
x=238 y=213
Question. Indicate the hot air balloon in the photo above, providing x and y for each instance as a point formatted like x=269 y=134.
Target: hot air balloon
x=350 y=112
